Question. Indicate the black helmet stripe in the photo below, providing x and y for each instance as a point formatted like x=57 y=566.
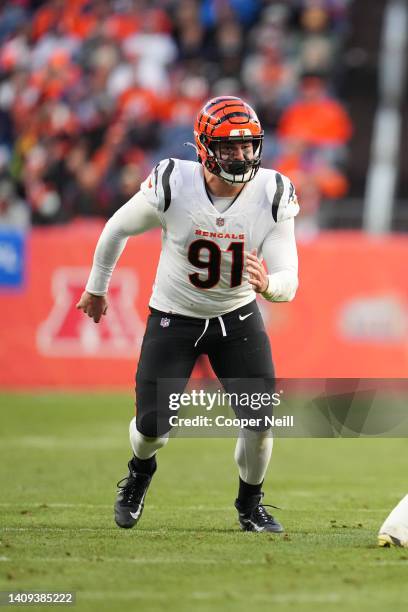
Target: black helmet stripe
x=219 y=100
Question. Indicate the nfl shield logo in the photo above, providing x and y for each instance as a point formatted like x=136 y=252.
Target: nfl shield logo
x=165 y=322
x=219 y=222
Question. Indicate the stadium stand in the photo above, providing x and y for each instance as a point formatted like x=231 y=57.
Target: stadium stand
x=93 y=92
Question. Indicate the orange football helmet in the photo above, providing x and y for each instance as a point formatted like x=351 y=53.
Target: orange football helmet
x=228 y=120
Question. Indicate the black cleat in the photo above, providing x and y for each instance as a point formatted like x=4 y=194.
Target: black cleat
x=131 y=495
x=253 y=516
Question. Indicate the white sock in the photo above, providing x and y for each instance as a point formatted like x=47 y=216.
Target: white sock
x=396 y=523
x=144 y=447
x=252 y=454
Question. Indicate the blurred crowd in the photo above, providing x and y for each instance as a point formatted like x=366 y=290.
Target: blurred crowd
x=94 y=92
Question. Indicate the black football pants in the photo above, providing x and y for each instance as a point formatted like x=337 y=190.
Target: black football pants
x=237 y=347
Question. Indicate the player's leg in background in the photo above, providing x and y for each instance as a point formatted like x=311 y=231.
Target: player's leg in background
x=394 y=530
x=242 y=360
x=167 y=353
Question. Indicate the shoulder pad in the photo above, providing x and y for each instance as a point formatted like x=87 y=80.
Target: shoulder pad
x=160 y=185
x=282 y=197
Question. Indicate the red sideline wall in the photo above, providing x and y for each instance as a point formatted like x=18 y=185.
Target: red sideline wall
x=349 y=318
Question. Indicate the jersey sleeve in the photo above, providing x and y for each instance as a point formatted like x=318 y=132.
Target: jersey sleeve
x=282 y=197
x=134 y=217
x=280 y=254
x=161 y=184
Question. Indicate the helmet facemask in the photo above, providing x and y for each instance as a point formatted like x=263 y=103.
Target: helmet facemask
x=221 y=159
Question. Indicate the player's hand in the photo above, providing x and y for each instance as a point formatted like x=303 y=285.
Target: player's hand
x=93 y=305
x=257 y=274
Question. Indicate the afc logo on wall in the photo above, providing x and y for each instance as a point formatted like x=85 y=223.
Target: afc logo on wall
x=68 y=332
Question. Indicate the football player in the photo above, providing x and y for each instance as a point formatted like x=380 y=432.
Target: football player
x=394 y=530
x=221 y=216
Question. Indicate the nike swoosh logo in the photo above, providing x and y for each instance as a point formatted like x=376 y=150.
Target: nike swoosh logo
x=136 y=514
x=243 y=317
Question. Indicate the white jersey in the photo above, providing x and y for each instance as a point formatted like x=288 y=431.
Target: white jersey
x=201 y=272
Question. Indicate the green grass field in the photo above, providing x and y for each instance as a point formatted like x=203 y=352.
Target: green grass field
x=61 y=456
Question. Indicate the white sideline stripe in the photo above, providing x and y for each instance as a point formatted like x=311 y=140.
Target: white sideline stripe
x=61 y=529
x=139 y=561
x=112 y=529
x=386 y=562
x=191 y=561
x=50 y=442
x=40 y=506
x=45 y=505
